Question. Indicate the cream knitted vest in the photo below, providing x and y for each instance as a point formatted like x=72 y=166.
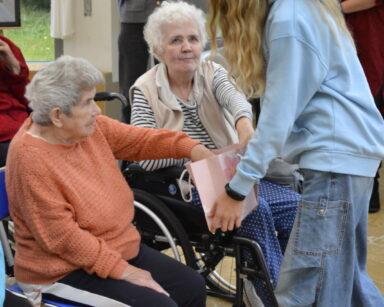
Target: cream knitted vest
x=217 y=121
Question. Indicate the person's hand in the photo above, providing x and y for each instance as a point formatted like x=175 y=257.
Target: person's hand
x=141 y=278
x=200 y=152
x=226 y=213
x=244 y=130
x=8 y=58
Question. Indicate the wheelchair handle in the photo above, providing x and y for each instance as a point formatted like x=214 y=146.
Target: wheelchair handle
x=107 y=96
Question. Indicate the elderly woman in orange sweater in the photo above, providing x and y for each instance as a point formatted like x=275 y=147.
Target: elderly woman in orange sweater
x=72 y=207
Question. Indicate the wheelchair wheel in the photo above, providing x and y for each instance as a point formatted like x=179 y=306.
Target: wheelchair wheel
x=161 y=230
x=218 y=265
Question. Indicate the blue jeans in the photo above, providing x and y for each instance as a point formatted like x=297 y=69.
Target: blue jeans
x=325 y=260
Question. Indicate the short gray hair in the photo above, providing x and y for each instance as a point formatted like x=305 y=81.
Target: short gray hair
x=60 y=84
x=172 y=13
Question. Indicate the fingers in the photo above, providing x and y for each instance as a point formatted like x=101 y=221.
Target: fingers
x=142 y=278
x=155 y=286
x=213 y=226
x=238 y=222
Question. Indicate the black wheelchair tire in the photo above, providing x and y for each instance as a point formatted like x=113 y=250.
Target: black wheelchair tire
x=171 y=222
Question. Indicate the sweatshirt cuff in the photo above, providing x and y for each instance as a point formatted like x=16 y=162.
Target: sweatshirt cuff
x=185 y=147
x=242 y=184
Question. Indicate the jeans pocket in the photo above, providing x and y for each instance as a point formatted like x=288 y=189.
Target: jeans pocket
x=320 y=226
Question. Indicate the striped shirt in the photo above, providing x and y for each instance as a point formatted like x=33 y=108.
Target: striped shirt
x=226 y=94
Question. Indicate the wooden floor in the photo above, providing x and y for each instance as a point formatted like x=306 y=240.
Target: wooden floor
x=375 y=249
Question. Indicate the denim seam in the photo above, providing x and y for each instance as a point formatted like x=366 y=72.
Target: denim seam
x=321 y=278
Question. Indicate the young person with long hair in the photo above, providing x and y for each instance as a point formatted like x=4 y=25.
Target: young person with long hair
x=316 y=110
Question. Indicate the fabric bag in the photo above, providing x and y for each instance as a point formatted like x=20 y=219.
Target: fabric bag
x=211 y=175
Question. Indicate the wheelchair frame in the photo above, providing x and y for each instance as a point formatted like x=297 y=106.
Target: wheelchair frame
x=202 y=250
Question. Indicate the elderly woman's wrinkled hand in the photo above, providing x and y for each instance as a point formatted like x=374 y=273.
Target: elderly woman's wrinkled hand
x=142 y=278
x=8 y=58
x=200 y=152
x=244 y=130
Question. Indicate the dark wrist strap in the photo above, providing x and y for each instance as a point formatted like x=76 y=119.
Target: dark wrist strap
x=233 y=194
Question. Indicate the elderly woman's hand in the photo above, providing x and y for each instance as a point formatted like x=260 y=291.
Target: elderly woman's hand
x=141 y=278
x=200 y=152
x=244 y=130
x=8 y=58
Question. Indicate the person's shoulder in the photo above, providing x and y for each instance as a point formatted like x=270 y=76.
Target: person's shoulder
x=103 y=121
x=149 y=75
x=296 y=19
x=209 y=66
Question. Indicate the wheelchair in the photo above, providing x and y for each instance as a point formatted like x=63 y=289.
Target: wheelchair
x=179 y=229
x=169 y=224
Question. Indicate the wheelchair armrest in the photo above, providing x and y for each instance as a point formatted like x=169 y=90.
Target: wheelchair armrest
x=168 y=172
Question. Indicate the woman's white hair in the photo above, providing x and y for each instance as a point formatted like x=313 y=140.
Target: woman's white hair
x=60 y=84
x=172 y=13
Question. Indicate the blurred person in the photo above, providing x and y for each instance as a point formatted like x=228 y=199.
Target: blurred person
x=13 y=105
x=365 y=19
x=316 y=110
x=72 y=207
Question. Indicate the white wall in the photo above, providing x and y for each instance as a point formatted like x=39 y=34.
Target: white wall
x=95 y=36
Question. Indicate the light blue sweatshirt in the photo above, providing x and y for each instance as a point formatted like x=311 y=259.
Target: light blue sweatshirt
x=317 y=109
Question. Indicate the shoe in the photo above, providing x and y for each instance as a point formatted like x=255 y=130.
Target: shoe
x=374 y=206
x=250 y=298
x=374 y=203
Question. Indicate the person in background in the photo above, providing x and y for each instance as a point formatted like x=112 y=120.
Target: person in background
x=365 y=19
x=133 y=50
x=72 y=207
x=13 y=105
x=316 y=110
x=185 y=93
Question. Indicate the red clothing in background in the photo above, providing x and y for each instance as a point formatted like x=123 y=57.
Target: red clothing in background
x=13 y=105
x=367 y=28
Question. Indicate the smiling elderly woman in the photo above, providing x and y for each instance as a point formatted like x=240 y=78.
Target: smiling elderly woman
x=184 y=93
x=73 y=209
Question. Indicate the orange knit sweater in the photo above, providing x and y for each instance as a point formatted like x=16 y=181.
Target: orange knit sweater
x=71 y=206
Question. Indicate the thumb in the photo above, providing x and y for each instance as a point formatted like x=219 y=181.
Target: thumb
x=212 y=212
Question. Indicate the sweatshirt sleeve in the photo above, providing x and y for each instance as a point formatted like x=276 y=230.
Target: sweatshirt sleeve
x=294 y=73
x=137 y=143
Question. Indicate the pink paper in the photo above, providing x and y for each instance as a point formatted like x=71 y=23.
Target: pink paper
x=212 y=174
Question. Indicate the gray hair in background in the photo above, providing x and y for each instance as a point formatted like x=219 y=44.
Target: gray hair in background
x=172 y=13
x=60 y=84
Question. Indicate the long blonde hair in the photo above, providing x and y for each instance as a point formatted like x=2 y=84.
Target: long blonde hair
x=242 y=26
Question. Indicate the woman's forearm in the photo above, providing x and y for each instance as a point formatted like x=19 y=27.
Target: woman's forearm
x=352 y=6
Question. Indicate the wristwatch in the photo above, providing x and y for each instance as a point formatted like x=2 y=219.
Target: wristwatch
x=233 y=194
